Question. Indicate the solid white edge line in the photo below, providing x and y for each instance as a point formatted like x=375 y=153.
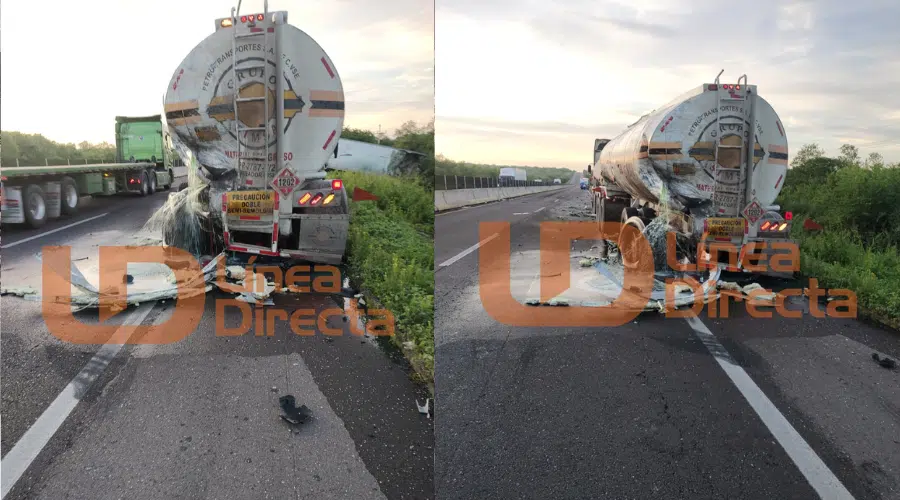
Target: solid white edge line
x=817 y=474
x=30 y=445
x=30 y=238
x=468 y=250
x=538 y=210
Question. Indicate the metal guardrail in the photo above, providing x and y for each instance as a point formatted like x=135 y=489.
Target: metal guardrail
x=59 y=160
x=448 y=182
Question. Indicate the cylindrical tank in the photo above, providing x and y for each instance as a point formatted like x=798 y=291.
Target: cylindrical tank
x=669 y=153
x=199 y=101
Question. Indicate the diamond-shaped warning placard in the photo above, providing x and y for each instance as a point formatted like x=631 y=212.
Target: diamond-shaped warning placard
x=286 y=181
x=753 y=211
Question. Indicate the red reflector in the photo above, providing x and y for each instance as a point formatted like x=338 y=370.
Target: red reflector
x=316 y=199
x=336 y=184
x=243 y=19
x=259 y=17
x=765 y=226
x=738 y=87
x=712 y=87
x=788 y=215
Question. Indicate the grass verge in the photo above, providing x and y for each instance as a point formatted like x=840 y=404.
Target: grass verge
x=391 y=255
x=839 y=259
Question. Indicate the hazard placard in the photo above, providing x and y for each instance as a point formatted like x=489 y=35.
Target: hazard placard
x=753 y=211
x=286 y=181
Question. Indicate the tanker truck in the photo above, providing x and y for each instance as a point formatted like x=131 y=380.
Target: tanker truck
x=710 y=164
x=257 y=110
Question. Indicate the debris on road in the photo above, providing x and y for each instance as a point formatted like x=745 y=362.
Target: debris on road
x=19 y=291
x=426 y=408
x=884 y=361
x=293 y=414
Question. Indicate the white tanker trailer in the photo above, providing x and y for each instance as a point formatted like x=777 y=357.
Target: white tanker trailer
x=259 y=106
x=692 y=161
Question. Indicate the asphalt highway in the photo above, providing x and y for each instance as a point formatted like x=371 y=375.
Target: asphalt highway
x=707 y=407
x=199 y=418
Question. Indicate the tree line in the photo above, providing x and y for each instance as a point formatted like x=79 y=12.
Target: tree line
x=448 y=167
x=25 y=150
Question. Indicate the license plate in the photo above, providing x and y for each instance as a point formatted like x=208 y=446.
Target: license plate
x=250 y=202
x=725 y=227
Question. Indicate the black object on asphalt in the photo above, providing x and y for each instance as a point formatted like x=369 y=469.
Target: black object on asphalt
x=293 y=414
x=885 y=361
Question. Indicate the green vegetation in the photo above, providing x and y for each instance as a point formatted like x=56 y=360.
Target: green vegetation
x=445 y=166
x=858 y=204
x=36 y=150
x=391 y=254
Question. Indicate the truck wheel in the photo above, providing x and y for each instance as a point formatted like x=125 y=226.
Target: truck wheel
x=629 y=249
x=35 y=206
x=69 y=196
x=151 y=188
x=145 y=184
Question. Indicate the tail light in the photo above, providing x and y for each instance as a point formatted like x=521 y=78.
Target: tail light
x=305 y=198
x=243 y=19
x=765 y=226
x=226 y=23
x=328 y=199
x=316 y=199
x=782 y=226
x=259 y=17
x=337 y=184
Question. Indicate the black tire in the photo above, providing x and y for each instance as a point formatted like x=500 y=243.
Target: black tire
x=35 y=204
x=151 y=176
x=145 y=183
x=629 y=212
x=628 y=251
x=68 y=196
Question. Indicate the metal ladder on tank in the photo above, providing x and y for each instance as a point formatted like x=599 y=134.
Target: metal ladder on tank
x=746 y=147
x=238 y=129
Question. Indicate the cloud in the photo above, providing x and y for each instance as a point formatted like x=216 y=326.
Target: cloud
x=383 y=51
x=829 y=68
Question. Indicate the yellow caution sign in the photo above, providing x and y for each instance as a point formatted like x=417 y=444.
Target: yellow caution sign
x=250 y=202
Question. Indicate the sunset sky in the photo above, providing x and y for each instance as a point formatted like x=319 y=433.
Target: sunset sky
x=528 y=82
x=70 y=74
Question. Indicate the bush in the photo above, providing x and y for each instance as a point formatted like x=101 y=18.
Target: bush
x=391 y=250
x=859 y=209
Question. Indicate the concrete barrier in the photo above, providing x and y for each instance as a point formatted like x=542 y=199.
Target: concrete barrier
x=456 y=198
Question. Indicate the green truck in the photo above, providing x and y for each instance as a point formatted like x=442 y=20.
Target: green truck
x=144 y=164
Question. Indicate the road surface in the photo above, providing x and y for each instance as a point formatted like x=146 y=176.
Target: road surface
x=198 y=418
x=788 y=408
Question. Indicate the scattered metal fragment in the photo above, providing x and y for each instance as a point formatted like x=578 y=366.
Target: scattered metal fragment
x=293 y=414
x=19 y=291
x=426 y=409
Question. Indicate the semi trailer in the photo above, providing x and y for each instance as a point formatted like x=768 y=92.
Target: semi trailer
x=711 y=163
x=259 y=107
x=32 y=195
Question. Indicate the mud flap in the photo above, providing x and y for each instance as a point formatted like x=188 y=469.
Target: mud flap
x=322 y=237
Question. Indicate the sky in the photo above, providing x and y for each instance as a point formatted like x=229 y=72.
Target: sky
x=533 y=82
x=70 y=73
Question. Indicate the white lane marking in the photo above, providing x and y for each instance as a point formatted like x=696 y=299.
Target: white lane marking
x=521 y=213
x=538 y=210
x=468 y=250
x=25 y=240
x=19 y=458
x=819 y=476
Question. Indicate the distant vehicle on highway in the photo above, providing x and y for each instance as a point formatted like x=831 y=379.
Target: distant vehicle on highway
x=557 y=181
x=584 y=183
x=31 y=195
